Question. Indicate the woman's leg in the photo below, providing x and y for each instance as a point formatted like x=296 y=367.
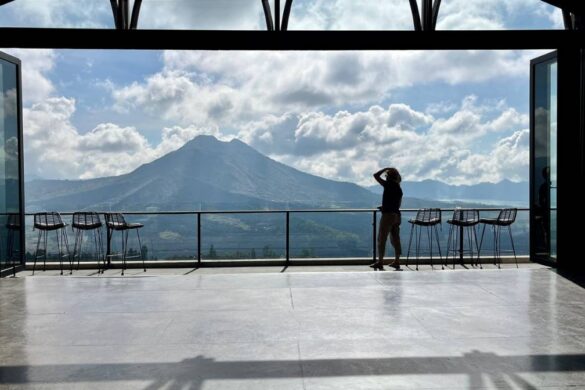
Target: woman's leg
x=383 y=232
x=395 y=237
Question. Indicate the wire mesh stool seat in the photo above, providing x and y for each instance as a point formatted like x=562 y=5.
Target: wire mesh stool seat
x=428 y=218
x=505 y=219
x=464 y=220
x=82 y=222
x=45 y=223
x=116 y=222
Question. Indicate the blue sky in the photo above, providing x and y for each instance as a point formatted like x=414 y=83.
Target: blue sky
x=459 y=117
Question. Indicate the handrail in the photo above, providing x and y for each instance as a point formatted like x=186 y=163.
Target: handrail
x=199 y=213
x=278 y=211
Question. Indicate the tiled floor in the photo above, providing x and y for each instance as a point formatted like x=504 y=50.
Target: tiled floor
x=465 y=329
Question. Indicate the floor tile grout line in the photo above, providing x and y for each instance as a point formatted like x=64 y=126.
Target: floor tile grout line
x=292 y=302
x=301 y=364
x=422 y=325
x=164 y=331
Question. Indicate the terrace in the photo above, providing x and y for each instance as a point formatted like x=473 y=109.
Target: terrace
x=273 y=307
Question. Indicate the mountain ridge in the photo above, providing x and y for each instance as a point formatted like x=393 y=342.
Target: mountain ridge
x=505 y=191
x=204 y=170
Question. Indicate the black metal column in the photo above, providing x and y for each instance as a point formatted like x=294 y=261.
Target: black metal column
x=374 y=241
x=198 y=238
x=570 y=156
x=287 y=236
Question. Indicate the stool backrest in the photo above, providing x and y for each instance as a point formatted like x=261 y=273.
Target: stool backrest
x=466 y=215
x=428 y=215
x=507 y=216
x=115 y=219
x=47 y=219
x=86 y=218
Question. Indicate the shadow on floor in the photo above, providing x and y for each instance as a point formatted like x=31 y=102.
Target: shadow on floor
x=481 y=367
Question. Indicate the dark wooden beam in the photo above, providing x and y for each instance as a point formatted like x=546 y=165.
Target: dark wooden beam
x=436 y=7
x=415 y=15
x=123 y=13
x=135 y=14
x=573 y=6
x=289 y=40
x=427 y=14
x=267 y=15
x=114 y=4
x=277 y=15
x=286 y=14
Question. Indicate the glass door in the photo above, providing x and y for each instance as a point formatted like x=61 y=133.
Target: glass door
x=543 y=158
x=11 y=183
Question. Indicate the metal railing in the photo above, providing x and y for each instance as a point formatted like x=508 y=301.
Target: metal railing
x=286 y=214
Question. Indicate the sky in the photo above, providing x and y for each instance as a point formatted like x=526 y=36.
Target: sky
x=456 y=116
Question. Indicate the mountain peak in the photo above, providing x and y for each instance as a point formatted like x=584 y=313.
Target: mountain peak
x=204 y=139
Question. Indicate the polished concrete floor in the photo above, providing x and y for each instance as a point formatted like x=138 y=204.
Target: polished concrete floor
x=463 y=329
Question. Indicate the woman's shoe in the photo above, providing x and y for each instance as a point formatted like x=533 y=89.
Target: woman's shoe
x=377 y=266
x=395 y=266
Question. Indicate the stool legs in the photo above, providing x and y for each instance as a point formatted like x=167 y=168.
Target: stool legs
x=412 y=227
x=512 y=242
x=457 y=239
x=497 y=240
x=125 y=249
x=416 y=231
x=62 y=243
x=438 y=246
x=97 y=241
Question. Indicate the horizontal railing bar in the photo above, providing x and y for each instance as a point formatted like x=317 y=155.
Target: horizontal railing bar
x=299 y=211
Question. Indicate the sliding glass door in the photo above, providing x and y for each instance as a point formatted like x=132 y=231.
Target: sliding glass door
x=11 y=183
x=543 y=155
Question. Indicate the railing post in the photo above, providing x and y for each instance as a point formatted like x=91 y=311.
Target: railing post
x=108 y=246
x=374 y=225
x=199 y=238
x=287 y=236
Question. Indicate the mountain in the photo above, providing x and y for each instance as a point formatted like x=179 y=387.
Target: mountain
x=488 y=193
x=204 y=172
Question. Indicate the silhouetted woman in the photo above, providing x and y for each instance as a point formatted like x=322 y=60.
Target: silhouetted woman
x=390 y=220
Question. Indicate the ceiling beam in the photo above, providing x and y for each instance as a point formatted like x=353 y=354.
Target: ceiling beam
x=573 y=6
x=289 y=40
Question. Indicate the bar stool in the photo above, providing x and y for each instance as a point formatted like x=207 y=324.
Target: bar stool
x=12 y=254
x=505 y=218
x=465 y=220
x=82 y=222
x=428 y=218
x=116 y=222
x=45 y=223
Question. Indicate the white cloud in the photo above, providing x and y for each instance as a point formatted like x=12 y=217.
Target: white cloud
x=202 y=14
x=509 y=159
x=213 y=87
x=54 y=148
x=344 y=145
x=36 y=67
x=306 y=14
x=350 y=146
x=396 y=15
x=57 y=13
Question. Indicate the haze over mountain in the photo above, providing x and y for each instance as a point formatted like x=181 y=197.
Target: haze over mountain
x=206 y=173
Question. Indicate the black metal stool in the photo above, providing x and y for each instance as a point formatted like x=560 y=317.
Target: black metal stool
x=13 y=226
x=82 y=222
x=505 y=218
x=116 y=222
x=464 y=220
x=44 y=223
x=428 y=218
